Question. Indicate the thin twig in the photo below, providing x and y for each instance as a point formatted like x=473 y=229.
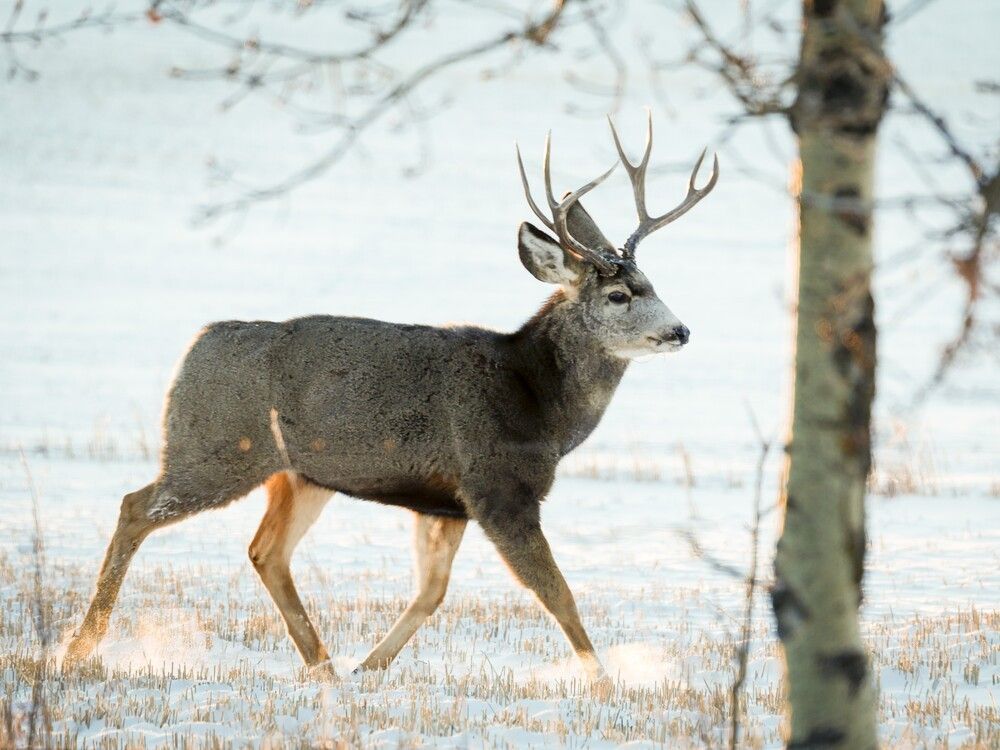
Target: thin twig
x=740 y=73
x=85 y=20
x=699 y=552
x=616 y=90
x=743 y=652
x=37 y=712
x=940 y=125
x=410 y=10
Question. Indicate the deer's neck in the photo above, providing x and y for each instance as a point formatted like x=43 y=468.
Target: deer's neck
x=572 y=375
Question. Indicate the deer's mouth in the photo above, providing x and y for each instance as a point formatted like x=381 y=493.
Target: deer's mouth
x=658 y=345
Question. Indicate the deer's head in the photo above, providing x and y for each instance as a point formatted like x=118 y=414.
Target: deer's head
x=616 y=301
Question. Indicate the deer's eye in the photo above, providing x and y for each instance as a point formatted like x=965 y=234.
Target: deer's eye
x=619 y=298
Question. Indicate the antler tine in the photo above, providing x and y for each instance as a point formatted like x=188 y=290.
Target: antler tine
x=636 y=172
x=712 y=179
x=577 y=194
x=570 y=198
x=560 y=214
x=637 y=175
x=693 y=194
x=560 y=210
x=527 y=192
x=547 y=173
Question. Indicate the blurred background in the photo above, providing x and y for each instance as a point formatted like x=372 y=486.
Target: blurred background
x=118 y=137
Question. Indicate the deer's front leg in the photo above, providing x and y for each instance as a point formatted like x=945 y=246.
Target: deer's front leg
x=435 y=542
x=517 y=534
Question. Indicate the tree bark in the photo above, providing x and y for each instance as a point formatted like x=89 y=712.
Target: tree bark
x=842 y=82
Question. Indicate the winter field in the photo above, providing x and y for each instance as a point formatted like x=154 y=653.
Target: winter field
x=104 y=280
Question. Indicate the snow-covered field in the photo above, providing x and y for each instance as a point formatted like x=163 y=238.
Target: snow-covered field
x=103 y=281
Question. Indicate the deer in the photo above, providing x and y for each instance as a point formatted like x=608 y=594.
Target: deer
x=452 y=423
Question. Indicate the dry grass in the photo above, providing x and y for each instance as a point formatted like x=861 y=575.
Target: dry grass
x=905 y=470
x=201 y=661
x=198 y=657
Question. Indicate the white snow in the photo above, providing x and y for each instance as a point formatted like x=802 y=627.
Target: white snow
x=103 y=282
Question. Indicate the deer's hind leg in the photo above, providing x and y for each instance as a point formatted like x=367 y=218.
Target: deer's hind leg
x=174 y=496
x=293 y=505
x=135 y=523
x=435 y=542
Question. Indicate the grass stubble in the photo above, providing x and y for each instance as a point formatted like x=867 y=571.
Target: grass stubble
x=197 y=661
x=196 y=658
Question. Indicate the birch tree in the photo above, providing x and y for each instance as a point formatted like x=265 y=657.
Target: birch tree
x=842 y=80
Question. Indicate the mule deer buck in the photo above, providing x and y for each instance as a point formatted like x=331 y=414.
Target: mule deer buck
x=451 y=423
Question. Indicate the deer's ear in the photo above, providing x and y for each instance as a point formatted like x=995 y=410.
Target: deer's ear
x=545 y=258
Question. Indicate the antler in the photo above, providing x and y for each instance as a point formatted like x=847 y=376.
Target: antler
x=637 y=176
x=604 y=263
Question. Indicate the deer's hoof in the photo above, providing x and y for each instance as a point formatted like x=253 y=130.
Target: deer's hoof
x=322 y=672
x=371 y=665
x=602 y=687
x=79 y=649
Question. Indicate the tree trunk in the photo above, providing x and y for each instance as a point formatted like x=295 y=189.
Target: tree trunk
x=842 y=82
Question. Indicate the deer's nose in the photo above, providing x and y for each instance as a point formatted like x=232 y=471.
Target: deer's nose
x=678 y=335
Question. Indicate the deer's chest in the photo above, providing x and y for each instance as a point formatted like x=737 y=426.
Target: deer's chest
x=584 y=416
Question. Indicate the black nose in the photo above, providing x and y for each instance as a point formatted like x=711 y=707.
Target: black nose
x=678 y=334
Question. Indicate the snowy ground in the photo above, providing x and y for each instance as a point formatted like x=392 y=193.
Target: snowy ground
x=197 y=650
x=103 y=282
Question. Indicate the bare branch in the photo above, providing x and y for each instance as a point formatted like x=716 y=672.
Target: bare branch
x=86 y=20
x=971 y=269
x=616 y=91
x=534 y=32
x=410 y=10
x=11 y=37
x=938 y=122
x=974 y=220
x=354 y=130
x=911 y=9
x=699 y=552
x=739 y=73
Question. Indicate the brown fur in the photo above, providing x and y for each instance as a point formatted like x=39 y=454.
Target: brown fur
x=292 y=507
x=435 y=542
x=134 y=525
